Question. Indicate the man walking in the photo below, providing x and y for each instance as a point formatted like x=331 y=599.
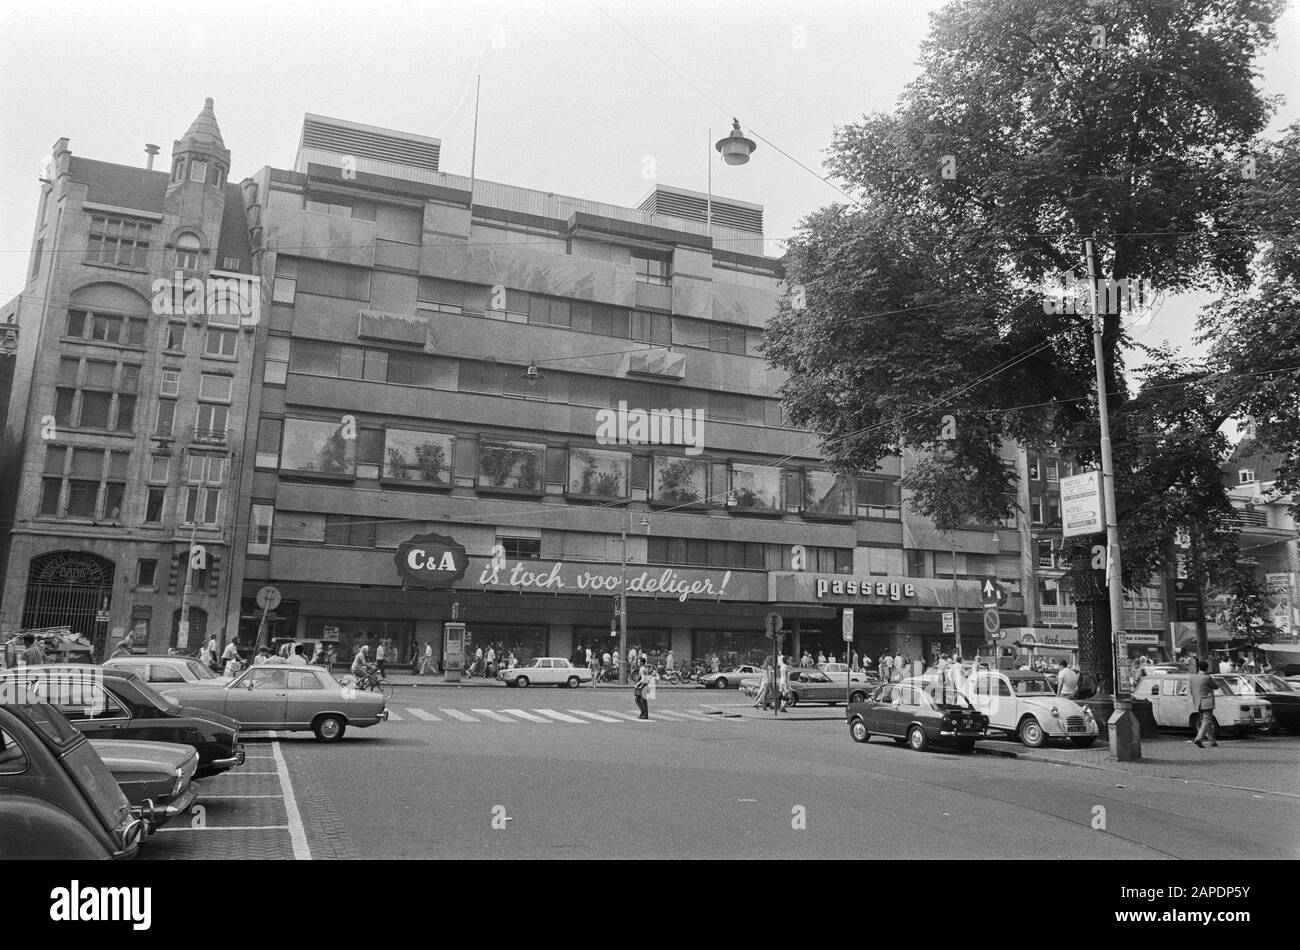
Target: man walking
x=643 y=691
x=782 y=684
x=1201 y=688
x=33 y=653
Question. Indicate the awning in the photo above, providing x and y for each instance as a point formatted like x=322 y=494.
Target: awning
x=1287 y=649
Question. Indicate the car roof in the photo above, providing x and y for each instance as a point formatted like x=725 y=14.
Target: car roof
x=1019 y=674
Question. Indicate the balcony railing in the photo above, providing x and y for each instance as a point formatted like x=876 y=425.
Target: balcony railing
x=213 y=437
x=1052 y=614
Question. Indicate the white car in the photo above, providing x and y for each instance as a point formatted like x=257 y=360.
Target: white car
x=1171 y=704
x=841 y=674
x=546 y=671
x=1023 y=703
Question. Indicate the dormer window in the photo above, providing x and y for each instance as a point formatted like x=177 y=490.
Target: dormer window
x=188 y=249
x=198 y=171
x=1245 y=476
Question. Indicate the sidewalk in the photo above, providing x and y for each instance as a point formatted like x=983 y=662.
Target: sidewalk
x=1267 y=764
x=394 y=678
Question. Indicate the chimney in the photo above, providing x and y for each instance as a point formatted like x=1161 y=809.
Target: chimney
x=151 y=151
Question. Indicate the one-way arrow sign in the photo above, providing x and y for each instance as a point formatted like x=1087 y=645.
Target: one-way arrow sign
x=991 y=593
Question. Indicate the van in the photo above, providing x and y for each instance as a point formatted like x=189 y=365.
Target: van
x=1171 y=703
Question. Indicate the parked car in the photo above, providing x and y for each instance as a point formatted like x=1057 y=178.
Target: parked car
x=119 y=705
x=729 y=678
x=293 y=698
x=841 y=674
x=1023 y=703
x=1171 y=705
x=166 y=669
x=1283 y=698
x=58 y=800
x=917 y=715
x=156 y=777
x=546 y=671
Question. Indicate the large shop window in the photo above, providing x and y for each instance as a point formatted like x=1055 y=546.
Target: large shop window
x=527 y=642
x=313 y=446
x=598 y=474
x=511 y=465
x=654 y=643
x=680 y=481
x=349 y=636
x=423 y=457
x=731 y=648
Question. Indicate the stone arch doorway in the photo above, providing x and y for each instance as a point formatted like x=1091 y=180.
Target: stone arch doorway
x=68 y=589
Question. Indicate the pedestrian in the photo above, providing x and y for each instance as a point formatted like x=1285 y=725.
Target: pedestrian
x=668 y=664
x=715 y=664
x=643 y=691
x=1067 y=682
x=296 y=658
x=360 y=661
x=381 y=654
x=853 y=662
x=1225 y=665
x=589 y=656
x=318 y=655
x=208 y=653
x=606 y=661
x=764 y=686
x=1201 y=687
x=617 y=668
x=593 y=663
x=782 y=685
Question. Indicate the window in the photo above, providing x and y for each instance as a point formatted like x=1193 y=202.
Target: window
x=650 y=268
x=286 y=280
x=277 y=360
x=1053 y=470
x=680 y=481
x=187 y=251
x=178 y=170
x=423 y=457
x=259 y=537
x=334 y=280
x=350 y=530
x=106 y=395
x=1036 y=510
x=198 y=170
x=600 y=318
x=877 y=497
x=410 y=369
x=215 y=387
x=210 y=422
x=202 y=504
x=1033 y=466
x=13 y=760
x=825 y=494
x=159 y=468
x=95 y=481
x=36 y=253
x=118 y=241
x=145 y=570
x=166 y=418
x=652 y=327
x=549 y=311
x=154 y=505
x=176 y=336
x=447 y=296
x=756 y=487
x=220 y=342
x=598 y=474
x=1245 y=476
x=268 y=443
x=317 y=446
x=513 y=465
x=107 y=327
x=521 y=548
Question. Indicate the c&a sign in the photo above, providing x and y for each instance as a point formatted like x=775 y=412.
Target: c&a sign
x=431 y=561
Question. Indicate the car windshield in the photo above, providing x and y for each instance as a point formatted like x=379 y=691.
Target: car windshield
x=1234 y=685
x=1032 y=686
x=1275 y=684
x=200 y=671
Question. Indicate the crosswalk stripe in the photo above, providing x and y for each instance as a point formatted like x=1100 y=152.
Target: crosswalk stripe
x=393 y=717
x=457 y=714
x=620 y=715
x=560 y=716
x=693 y=715
x=525 y=715
x=592 y=715
x=494 y=715
x=421 y=714
x=669 y=714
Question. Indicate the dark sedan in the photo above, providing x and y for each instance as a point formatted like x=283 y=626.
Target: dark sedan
x=917 y=715
x=116 y=704
x=1284 y=697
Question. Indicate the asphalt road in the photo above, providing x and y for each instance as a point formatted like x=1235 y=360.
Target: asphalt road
x=467 y=773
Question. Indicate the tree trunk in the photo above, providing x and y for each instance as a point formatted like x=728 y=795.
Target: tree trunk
x=1092 y=610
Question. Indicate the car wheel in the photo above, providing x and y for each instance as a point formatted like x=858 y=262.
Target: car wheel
x=858 y=730
x=793 y=700
x=329 y=728
x=1031 y=733
x=965 y=745
x=720 y=683
x=521 y=681
x=858 y=698
x=1082 y=742
x=916 y=739
x=573 y=682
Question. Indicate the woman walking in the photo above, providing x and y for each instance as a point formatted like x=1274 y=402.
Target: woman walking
x=643 y=691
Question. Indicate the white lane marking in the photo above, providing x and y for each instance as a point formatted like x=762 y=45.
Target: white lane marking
x=525 y=715
x=457 y=714
x=675 y=717
x=393 y=717
x=297 y=833
x=595 y=716
x=697 y=717
x=494 y=715
x=238 y=774
x=561 y=716
x=621 y=715
x=234 y=828
x=421 y=714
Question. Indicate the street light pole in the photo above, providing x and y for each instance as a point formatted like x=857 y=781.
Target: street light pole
x=622 y=599
x=956 y=607
x=1125 y=740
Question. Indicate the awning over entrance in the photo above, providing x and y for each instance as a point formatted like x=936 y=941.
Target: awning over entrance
x=1285 y=649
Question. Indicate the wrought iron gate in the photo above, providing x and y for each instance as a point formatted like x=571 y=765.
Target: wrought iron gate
x=67 y=589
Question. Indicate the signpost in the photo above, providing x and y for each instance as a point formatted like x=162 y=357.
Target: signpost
x=847 y=624
x=268 y=598
x=949 y=623
x=1082 y=511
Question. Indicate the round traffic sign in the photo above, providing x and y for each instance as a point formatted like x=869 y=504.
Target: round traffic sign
x=268 y=598
x=992 y=622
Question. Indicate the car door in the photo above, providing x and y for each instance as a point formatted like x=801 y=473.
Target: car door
x=258 y=699
x=911 y=707
x=889 y=699
x=1179 y=710
x=305 y=696
x=104 y=716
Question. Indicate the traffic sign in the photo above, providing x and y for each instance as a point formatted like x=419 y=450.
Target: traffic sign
x=101 y=616
x=949 y=623
x=268 y=598
x=774 y=624
x=847 y=623
x=992 y=622
x=991 y=593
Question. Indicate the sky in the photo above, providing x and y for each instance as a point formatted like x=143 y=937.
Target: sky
x=593 y=98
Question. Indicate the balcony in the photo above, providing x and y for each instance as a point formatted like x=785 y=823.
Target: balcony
x=1057 y=616
x=210 y=438
x=1242 y=518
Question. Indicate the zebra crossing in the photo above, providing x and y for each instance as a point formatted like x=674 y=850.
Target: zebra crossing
x=566 y=717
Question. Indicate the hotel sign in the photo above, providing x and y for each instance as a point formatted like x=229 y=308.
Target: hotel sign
x=431 y=561
x=1081 y=505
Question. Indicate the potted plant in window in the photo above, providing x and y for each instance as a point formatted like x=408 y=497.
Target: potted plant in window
x=432 y=460
x=676 y=483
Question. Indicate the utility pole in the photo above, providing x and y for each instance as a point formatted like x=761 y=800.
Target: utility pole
x=1125 y=739
x=956 y=607
x=622 y=599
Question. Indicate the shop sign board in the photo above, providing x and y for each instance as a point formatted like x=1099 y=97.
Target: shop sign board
x=847 y=624
x=498 y=573
x=431 y=561
x=1081 y=505
x=849 y=590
